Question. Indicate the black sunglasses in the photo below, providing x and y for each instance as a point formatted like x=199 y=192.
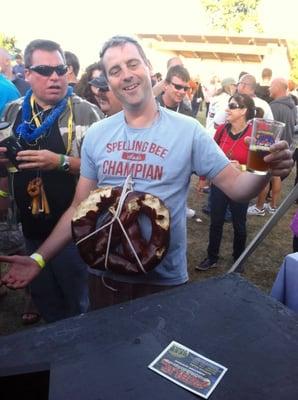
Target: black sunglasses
x=233 y=106
x=180 y=87
x=47 y=70
x=102 y=89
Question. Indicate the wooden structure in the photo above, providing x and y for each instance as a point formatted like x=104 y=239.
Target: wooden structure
x=246 y=52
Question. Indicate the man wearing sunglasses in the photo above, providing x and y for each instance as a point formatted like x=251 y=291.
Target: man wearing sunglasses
x=176 y=87
x=173 y=145
x=49 y=123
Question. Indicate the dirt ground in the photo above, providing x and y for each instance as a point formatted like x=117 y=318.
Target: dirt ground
x=263 y=264
x=260 y=269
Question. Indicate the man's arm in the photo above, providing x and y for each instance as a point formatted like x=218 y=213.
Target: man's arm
x=23 y=268
x=243 y=186
x=46 y=160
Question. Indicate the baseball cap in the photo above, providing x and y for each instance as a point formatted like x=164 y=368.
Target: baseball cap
x=228 y=81
x=100 y=82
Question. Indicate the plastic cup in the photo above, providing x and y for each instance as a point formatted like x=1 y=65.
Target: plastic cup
x=265 y=133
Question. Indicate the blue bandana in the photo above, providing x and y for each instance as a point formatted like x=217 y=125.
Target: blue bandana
x=27 y=129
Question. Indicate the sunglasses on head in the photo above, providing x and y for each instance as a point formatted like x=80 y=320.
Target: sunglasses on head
x=233 y=106
x=180 y=87
x=47 y=70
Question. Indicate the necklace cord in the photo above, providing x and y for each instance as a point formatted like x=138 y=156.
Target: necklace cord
x=31 y=132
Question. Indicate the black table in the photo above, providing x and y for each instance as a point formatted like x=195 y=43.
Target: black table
x=104 y=354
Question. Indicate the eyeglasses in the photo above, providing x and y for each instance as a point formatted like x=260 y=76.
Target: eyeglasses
x=243 y=83
x=233 y=106
x=47 y=70
x=180 y=87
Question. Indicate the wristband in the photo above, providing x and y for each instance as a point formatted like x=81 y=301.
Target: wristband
x=64 y=163
x=39 y=259
x=3 y=194
x=61 y=162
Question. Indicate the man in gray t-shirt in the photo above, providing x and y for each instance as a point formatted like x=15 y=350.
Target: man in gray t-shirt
x=164 y=168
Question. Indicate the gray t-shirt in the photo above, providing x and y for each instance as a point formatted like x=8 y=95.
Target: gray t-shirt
x=161 y=160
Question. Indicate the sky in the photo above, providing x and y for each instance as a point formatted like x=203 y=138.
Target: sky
x=83 y=26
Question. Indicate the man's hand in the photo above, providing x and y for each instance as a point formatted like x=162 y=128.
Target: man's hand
x=4 y=161
x=38 y=159
x=22 y=270
x=280 y=159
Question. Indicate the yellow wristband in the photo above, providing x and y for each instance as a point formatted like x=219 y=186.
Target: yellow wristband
x=39 y=259
x=3 y=194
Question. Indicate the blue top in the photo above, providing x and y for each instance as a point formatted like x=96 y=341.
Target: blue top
x=8 y=92
x=161 y=160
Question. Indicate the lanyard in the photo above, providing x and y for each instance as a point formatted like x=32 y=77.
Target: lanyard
x=37 y=121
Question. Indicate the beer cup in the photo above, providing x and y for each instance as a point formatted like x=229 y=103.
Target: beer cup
x=265 y=132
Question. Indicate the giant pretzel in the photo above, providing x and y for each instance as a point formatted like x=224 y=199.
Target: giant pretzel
x=121 y=249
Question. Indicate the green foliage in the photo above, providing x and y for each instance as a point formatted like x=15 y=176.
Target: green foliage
x=293 y=49
x=9 y=43
x=233 y=16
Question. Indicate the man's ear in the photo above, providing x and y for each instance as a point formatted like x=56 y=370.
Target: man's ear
x=27 y=74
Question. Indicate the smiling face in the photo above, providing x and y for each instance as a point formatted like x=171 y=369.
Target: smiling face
x=174 y=91
x=48 y=90
x=128 y=76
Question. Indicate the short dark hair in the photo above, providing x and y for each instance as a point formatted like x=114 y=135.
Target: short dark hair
x=40 y=44
x=179 y=71
x=245 y=101
x=72 y=60
x=120 y=41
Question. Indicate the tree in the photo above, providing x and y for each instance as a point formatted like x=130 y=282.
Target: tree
x=233 y=16
x=9 y=43
x=293 y=50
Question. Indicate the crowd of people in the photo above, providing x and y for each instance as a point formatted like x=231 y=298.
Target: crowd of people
x=120 y=121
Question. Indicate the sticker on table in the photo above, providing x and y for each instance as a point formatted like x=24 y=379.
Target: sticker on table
x=188 y=369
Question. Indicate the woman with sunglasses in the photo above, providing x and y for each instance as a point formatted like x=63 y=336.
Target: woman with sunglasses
x=84 y=88
x=231 y=139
